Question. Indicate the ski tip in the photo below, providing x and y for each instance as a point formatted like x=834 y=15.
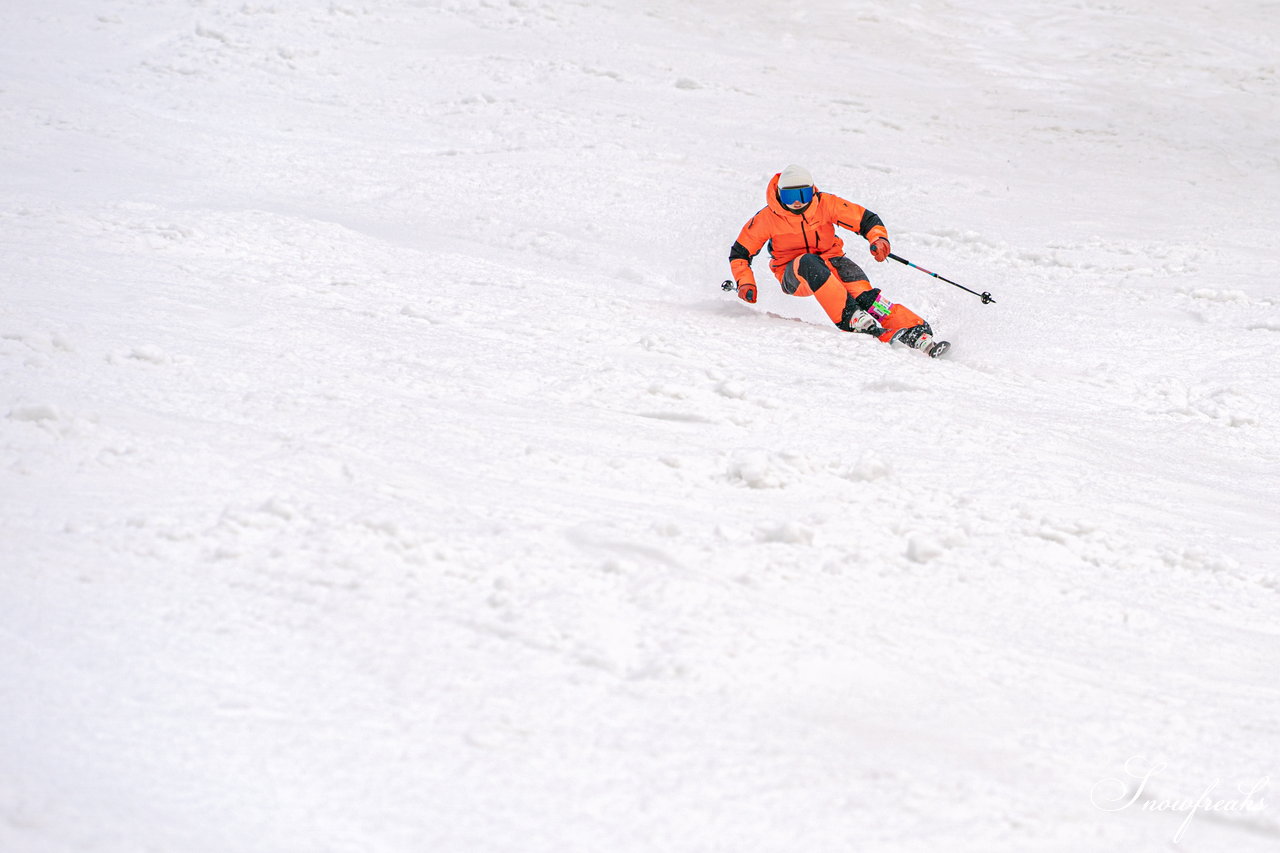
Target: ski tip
x=939 y=348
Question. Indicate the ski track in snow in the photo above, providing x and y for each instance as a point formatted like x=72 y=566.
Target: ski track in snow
x=384 y=470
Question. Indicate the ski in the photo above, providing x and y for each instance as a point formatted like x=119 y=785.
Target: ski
x=866 y=323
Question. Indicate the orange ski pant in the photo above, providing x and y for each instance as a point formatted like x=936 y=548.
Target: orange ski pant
x=837 y=283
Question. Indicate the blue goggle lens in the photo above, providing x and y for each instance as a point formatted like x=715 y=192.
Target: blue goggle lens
x=794 y=194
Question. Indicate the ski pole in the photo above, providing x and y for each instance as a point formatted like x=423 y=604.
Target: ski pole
x=984 y=296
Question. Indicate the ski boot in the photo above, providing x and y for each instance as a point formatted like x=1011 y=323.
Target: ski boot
x=861 y=321
x=921 y=338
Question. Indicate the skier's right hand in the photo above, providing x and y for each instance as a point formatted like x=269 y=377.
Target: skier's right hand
x=747 y=293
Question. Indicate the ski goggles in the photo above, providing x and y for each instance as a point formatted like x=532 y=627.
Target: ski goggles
x=791 y=195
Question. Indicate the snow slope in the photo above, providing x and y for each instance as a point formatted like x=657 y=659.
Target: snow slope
x=383 y=470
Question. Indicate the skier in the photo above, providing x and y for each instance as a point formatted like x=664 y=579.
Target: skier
x=808 y=259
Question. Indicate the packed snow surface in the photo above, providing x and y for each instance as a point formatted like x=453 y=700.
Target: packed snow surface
x=383 y=469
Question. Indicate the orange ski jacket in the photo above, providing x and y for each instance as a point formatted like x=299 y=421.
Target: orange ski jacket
x=791 y=233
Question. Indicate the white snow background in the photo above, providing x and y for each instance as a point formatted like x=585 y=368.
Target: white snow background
x=383 y=469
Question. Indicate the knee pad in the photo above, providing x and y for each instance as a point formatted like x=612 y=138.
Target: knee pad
x=848 y=270
x=814 y=270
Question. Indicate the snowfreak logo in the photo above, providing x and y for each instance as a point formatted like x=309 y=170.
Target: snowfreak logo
x=1116 y=795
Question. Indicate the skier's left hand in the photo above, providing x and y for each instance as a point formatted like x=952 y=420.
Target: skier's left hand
x=880 y=248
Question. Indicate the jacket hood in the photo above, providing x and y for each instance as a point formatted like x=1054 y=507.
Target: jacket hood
x=771 y=197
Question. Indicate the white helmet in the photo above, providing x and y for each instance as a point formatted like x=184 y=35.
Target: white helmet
x=795 y=176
